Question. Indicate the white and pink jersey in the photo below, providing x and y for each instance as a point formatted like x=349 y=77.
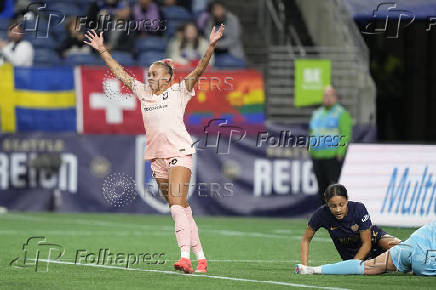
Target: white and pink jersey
x=163 y=120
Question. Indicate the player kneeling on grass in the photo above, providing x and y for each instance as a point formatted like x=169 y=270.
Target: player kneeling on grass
x=349 y=226
x=169 y=146
x=416 y=254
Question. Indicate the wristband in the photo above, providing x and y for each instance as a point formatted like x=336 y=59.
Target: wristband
x=101 y=52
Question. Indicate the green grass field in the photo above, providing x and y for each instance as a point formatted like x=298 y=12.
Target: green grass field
x=242 y=252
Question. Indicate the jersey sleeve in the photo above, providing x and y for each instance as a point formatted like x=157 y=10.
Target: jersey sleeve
x=315 y=221
x=139 y=89
x=185 y=94
x=364 y=220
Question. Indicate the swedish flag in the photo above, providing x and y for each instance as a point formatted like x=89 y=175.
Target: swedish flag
x=37 y=99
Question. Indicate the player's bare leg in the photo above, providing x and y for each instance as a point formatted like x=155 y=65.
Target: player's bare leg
x=379 y=265
x=163 y=186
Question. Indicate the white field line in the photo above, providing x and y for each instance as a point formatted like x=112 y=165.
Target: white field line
x=312 y=262
x=197 y=275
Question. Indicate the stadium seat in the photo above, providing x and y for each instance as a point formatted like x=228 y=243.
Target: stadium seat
x=123 y=58
x=176 y=13
x=68 y=8
x=150 y=43
x=45 y=56
x=228 y=61
x=147 y=58
x=40 y=42
x=83 y=59
x=175 y=16
x=171 y=27
x=4 y=24
x=3 y=35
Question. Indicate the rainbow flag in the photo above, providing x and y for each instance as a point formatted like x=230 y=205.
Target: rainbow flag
x=37 y=99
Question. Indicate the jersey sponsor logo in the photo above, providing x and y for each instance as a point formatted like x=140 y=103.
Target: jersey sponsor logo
x=165 y=96
x=365 y=218
x=147 y=109
x=173 y=162
x=355 y=227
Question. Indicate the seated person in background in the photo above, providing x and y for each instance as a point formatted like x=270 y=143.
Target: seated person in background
x=104 y=15
x=231 y=42
x=17 y=51
x=189 y=48
x=73 y=43
x=149 y=18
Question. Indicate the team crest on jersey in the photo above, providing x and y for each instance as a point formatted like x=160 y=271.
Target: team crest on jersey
x=165 y=96
x=355 y=228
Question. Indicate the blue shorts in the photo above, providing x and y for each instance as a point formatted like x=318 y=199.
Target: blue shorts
x=376 y=235
x=418 y=252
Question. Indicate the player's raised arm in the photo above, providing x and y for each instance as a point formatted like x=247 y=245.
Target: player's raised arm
x=96 y=42
x=192 y=78
x=304 y=245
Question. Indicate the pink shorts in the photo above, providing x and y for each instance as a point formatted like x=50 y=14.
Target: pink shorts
x=161 y=166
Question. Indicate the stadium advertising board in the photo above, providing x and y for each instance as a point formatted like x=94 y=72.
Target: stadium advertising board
x=311 y=78
x=397 y=183
x=82 y=173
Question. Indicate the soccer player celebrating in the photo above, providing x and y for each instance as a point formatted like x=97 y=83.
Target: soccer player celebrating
x=417 y=255
x=168 y=145
x=349 y=226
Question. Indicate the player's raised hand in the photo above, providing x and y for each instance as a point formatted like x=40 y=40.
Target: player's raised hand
x=215 y=35
x=95 y=40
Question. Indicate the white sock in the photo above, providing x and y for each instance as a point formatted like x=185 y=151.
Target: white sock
x=317 y=270
x=185 y=255
x=200 y=255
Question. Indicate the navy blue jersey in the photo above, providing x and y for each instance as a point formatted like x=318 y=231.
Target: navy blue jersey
x=345 y=233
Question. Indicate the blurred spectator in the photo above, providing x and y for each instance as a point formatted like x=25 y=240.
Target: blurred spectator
x=331 y=120
x=104 y=15
x=148 y=16
x=17 y=51
x=231 y=42
x=201 y=12
x=73 y=43
x=190 y=47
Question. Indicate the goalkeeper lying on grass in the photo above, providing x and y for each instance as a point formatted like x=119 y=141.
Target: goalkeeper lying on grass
x=417 y=254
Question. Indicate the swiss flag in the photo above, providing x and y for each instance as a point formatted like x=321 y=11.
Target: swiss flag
x=104 y=104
